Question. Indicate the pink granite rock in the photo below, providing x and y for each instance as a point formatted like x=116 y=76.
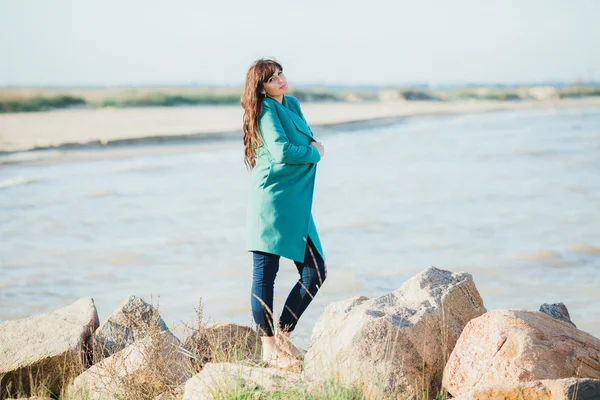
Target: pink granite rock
x=504 y=347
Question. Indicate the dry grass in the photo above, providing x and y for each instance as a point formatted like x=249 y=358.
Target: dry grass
x=154 y=365
x=221 y=342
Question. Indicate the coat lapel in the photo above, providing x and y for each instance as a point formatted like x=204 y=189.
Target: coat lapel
x=296 y=119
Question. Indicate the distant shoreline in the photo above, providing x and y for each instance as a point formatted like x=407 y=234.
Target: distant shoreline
x=35 y=99
x=75 y=129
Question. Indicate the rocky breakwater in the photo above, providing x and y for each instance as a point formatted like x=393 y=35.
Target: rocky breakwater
x=430 y=339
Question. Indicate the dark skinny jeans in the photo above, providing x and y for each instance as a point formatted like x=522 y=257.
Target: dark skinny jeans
x=312 y=275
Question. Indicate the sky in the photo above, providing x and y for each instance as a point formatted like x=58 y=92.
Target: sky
x=129 y=42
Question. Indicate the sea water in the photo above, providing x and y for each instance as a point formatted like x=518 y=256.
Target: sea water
x=511 y=197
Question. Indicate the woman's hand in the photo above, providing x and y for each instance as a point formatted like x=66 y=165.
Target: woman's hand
x=319 y=147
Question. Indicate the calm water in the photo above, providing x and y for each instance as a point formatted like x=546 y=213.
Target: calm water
x=511 y=197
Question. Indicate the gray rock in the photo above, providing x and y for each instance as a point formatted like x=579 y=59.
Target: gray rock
x=558 y=311
x=575 y=389
x=223 y=380
x=50 y=347
x=132 y=321
x=398 y=343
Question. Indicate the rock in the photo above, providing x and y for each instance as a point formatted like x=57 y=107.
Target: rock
x=574 y=389
x=51 y=348
x=224 y=342
x=132 y=321
x=507 y=347
x=217 y=381
x=142 y=370
x=558 y=311
x=396 y=344
x=559 y=389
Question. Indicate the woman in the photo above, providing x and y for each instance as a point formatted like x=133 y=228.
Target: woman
x=282 y=153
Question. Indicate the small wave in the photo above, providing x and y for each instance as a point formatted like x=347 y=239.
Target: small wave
x=547 y=255
x=580 y=256
x=143 y=168
x=101 y=193
x=585 y=248
x=18 y=181
x=28 y=156
x=538 y=153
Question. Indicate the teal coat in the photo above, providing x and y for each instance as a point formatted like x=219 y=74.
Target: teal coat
x=282 y=183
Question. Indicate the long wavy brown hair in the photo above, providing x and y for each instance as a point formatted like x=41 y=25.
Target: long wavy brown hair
x=258 y=73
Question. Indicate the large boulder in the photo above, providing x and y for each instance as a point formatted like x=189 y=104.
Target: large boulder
x=396 y=344
x=507 y=347
x=224 y=380
x=133 y=320
x=558 y=389
x=46 y=350
x=224 y=342
x=142 y=370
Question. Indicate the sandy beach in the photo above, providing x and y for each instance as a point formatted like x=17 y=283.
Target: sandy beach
x=40 y=130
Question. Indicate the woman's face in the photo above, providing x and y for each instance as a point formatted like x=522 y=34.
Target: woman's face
x=276 y=85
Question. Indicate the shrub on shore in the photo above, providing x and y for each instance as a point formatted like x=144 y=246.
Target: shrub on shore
x=412 y=94
x=39 y=103
x=306 y=95
x=578 y=91
x=485 y=94
x=170 y=100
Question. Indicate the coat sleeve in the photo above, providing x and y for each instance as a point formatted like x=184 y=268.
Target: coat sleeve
x=278 y=144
